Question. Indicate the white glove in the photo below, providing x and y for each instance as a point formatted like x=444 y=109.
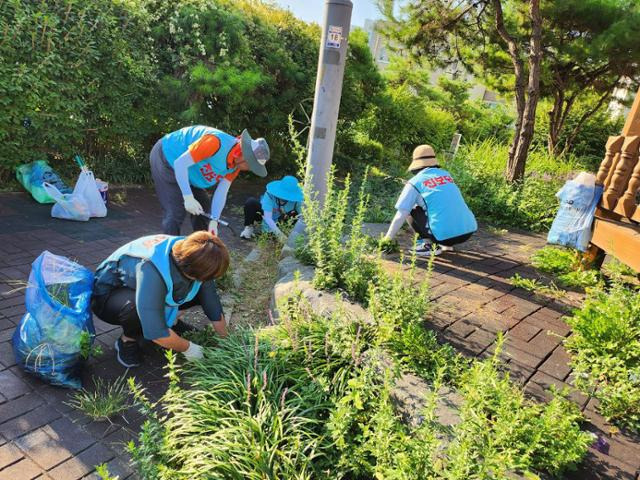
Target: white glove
x=247 y=233
x=194 y=352
x=213 y=227
x=192 y=206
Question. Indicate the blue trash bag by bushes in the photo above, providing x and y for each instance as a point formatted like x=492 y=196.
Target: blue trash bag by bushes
x=55 y=335
x=578 y=200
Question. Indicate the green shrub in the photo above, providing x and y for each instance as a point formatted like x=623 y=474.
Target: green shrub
x=309 y=398
x=565 y=265
x=605 y=348
x=478 y=170
x=76 y=77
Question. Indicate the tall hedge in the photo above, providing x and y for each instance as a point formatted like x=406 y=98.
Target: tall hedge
x=107 y=78
x=75 y=76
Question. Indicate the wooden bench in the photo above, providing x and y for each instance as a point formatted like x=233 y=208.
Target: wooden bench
x=615 y=229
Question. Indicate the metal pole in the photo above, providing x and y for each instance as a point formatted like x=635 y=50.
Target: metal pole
x=326 y=102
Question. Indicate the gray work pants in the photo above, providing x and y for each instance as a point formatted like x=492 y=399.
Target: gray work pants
x=170 y=196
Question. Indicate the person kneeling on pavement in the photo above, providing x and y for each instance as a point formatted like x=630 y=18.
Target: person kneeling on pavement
x=142 y=286
x=433 y=206
x=280 y=203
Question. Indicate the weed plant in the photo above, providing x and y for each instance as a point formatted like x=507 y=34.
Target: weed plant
x=565 y=265
x=605 y=348
x=336 y=244
x=104 y=401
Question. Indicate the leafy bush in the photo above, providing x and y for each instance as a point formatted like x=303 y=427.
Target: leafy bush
x=478 y=170
x=605 y=348
x=76 y=78
x=590 y=141
x=107 y=79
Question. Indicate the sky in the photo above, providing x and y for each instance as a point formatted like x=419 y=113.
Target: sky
x=312 y=10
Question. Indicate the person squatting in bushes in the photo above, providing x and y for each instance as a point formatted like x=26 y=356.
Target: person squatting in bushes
x=143 y=284
x=433 y=206
x=281 y=202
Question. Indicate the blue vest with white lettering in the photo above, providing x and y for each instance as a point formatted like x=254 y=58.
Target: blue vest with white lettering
x=448 y=214
x=205 y=173
x=157 y=250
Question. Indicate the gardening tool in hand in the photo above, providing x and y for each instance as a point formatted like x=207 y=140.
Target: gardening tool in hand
x=222 y=222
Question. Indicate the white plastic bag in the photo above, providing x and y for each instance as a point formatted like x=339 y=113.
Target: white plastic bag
x=87 y=187
x=69 y=206
x=578 y=200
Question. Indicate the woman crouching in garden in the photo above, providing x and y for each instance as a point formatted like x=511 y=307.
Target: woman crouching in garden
x=143 y=284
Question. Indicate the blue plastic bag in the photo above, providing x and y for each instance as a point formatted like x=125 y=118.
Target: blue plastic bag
x=578 y=200
x=33 y=175
x=55 y=335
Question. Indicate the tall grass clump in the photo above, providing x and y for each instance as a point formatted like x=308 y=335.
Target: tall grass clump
x=605 y=349
x=478 y=169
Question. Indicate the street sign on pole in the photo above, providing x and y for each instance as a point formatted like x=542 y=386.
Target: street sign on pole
x=326 y=102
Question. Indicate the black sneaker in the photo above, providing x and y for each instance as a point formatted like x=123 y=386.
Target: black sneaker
x=128 y=353
x=182 y=327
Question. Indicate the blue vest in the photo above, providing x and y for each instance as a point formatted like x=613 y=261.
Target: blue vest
x=205 y=173
x=448 y=214
x=155 y=249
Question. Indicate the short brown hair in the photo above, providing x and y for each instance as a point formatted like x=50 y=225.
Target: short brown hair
x=202 y=256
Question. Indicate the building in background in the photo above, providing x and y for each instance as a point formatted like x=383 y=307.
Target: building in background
x=380 y=53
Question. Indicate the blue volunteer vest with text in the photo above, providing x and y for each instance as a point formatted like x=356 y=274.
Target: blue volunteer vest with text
x=205 y=173
x=447 y=213
x=155 y=249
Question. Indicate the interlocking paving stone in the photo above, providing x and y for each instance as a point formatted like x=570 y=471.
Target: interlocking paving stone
x=9 y=454
x=83 y=463
x=25 y=469
x=557 y=365
x=43 y=449
x=29 y=421
x=69 y=435
x=19 y=406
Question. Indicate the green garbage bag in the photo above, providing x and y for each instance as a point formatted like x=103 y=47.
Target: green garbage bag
x=33 y=175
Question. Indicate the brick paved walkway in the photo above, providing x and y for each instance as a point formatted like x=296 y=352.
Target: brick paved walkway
x=474 y=300
x=40 y=436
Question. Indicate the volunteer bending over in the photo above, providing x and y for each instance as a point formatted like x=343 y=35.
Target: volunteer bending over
x=281 y=202
x=433 y=206
x=142 y=285
x=188 y=161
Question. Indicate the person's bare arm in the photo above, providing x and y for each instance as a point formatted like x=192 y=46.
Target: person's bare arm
x=173 y=341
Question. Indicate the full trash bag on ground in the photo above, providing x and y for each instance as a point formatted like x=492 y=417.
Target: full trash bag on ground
x=55 y=335
x=578 y=200
x=33 y=175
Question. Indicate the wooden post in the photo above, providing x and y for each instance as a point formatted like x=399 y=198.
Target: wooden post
x=614 y=144
x=625 y=165
x=627 y=204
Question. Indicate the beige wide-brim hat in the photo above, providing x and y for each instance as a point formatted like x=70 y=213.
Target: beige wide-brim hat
x=423 y=156
x=255 y=152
